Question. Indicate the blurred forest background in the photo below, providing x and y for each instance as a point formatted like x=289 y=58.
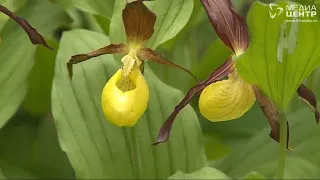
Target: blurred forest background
x=29 y=143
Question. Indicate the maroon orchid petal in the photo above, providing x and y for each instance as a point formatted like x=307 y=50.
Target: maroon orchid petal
x=272 y=115
x=215 y=76
x=308 y=96
x=230 y=26
x=33 y=34
x=138 y=22
x=149 y=54
x=111 y=49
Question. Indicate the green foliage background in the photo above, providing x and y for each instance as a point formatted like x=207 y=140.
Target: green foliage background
x=51 y=127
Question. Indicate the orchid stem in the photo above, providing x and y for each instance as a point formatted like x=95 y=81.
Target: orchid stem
x=283 y=146
x=135 y=154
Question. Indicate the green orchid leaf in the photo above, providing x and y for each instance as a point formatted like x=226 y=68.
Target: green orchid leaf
x=98 y=7
x=167 y=17
x=16 y=53
x=38 y=101
x=204 y=173
x=97 y=148
x=281 y=53
x=30 y=149
x=169 y=13
x=260 y=153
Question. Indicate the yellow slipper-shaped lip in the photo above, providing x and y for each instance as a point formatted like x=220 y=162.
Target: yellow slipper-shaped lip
x=125 y=99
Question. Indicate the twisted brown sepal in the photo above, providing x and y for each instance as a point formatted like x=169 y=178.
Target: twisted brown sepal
x=230 y=26
x=138 y=22
x=308 y=97
x=34 y=36
x=215 y=76
x=149 y=54
x=111 y=49
x=271 y=113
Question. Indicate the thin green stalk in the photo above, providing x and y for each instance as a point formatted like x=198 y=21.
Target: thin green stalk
x=283 y=146
x=135 y=154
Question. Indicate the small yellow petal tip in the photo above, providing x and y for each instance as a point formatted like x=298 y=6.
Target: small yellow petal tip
x=226 y=100
x=125 y=99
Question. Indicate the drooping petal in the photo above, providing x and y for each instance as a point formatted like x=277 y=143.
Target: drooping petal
x=215 y=76
x=111 y=49
x=125 y=99
x=227 y=99
x=230 y=26
x=308 y=97
x=149 y=54
x=271 y=113
x=138 y=23
x=34 y=36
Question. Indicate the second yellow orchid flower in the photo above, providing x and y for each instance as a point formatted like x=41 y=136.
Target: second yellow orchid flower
x=227 y=99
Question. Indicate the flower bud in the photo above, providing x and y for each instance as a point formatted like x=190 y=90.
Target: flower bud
x=125 y=99
x=227 y=99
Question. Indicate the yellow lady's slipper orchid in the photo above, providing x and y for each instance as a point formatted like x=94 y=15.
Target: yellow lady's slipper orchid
x=227 y=99
x=124 y=99
x=125 y=96
x=221 y=99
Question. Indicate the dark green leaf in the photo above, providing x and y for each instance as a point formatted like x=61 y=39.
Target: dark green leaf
x=97 y=7
x=38 y=101
x=29 y=149
x=214 y=56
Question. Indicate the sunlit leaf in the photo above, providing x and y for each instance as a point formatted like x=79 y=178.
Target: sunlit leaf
x=204 y=173
x=16 y=53
x=98 y=149
x=172 y=16
x=281 y=54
